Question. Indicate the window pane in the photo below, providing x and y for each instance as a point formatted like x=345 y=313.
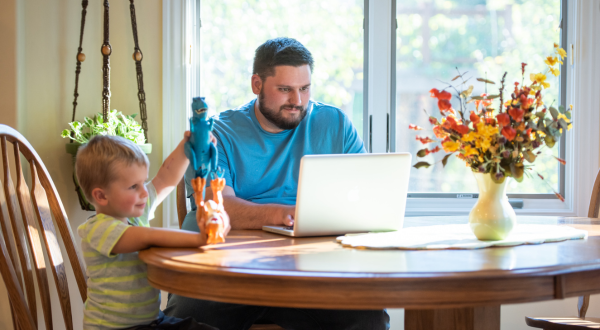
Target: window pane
x=332 y=31
x=485 y=39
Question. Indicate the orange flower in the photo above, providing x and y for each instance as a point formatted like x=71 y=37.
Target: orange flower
x=439 y=132
x=503 y=119
x=516 y=114
x=415 y=127
x=509 y=133
x=485 y=102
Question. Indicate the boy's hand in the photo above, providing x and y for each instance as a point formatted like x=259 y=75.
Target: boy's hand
x=211 y=137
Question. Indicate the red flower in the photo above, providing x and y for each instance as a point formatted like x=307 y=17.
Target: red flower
x=444 y=105
x=560 y=160
x=434 y=92
x=443 y=95
x=523 y=67
x=474 y=118
x=450 y=123
x=415 y=127
x=509 y=133
x=462 y=129
x=516 y=114
x=503 y=119
x=433 y=120
x=424 y=140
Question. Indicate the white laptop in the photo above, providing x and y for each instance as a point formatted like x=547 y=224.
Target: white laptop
x=349 y=193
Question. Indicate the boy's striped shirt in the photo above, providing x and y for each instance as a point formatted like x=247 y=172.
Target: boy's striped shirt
x=119 y=295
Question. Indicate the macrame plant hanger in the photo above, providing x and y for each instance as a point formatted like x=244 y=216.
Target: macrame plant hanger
x=106 y=50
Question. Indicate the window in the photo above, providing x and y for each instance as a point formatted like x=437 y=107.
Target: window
x=435 y=40
x=331 y=30
x=335 y=31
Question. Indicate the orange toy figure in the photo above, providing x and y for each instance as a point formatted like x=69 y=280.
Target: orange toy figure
x=210 y=213
x=213 y=213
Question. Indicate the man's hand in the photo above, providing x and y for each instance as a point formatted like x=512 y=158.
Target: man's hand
x=286 y=214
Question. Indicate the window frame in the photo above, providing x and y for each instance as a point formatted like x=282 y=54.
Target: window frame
x=580 y=81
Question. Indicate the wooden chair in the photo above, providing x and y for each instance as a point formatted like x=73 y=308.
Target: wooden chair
x=26 y=223
x=181 y=213
x=581 y=322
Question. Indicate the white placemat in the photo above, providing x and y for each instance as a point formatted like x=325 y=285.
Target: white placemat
x=457 y=237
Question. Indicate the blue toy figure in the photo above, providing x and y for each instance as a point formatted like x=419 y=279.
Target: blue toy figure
x=203 y=158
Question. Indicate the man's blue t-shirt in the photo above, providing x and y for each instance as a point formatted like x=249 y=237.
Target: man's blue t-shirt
x=263 y=167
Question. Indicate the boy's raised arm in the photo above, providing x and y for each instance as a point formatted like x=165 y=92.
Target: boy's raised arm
x=171 y=171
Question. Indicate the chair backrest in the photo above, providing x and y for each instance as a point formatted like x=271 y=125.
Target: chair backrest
x=595 y=198
x=26 y=221
x=181 y=203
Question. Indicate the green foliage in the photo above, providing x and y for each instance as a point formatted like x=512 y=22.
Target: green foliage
x=118 y=124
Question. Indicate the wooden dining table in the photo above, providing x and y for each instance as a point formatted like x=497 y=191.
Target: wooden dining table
x=439 y=289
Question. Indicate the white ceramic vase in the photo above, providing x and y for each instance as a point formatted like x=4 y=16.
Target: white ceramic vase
x=492 y=218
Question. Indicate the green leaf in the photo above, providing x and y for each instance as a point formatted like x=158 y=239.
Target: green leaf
x=445 y=159
x=486 y=81
x=422 y=153
x=491 y=97
x=553 y=112
x=568 y=114
x=65 y=133
x=561 y=108
x=421 y=164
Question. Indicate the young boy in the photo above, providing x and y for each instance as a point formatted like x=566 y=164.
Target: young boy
x=112 y=172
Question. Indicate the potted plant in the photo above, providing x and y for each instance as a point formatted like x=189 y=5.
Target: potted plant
x=116 y=124
x=497 y=143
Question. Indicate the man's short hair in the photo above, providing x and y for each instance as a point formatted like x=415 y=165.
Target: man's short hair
x=96 y=161
x=280 y=51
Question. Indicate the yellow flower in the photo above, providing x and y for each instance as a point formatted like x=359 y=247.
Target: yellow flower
x=450 y=146
x=541 y=134
x=486 y=130
x=562 y=116
x=533 y=91
x=555 y=45
x=555 y=72
x=561 y=52
x=470 y=151
x=551 y=61
x=540 y=78
x=470 y=136
x=569 y=127
x=483 y=144
x=571 y=106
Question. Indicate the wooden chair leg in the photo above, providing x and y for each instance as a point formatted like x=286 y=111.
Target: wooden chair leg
x=582 y=305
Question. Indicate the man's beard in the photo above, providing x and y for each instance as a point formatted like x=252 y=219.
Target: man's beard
x=277 y=118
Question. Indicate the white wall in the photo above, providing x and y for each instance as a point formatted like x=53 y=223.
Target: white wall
x=37 y=70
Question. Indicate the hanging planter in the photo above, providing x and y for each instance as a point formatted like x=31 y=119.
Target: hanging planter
x=107 y=122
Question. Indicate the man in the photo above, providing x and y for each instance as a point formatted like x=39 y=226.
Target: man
x=260 y=146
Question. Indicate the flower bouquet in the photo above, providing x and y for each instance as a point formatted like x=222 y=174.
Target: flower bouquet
x=497 y=143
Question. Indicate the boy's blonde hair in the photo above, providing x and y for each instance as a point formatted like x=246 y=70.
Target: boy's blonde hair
x=96 y=160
